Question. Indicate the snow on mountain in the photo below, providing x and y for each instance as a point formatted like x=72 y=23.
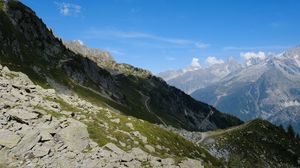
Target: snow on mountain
x=195 y=77
x=268 y=89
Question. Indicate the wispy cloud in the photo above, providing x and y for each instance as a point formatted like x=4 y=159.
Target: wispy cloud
x=241 y=48
x=140 y=35
x=170 y=58
x=68 y=9
x=114 y=51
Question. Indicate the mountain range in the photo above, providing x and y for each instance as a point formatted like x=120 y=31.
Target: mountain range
x=265 y=88
x=63 y=104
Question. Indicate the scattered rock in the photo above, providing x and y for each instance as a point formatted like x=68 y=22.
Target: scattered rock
x=8 y=138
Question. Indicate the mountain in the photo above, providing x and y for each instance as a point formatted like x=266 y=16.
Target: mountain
x=95 y=54
x=267 y=90
x=190 y=81
x=63 y=108
x=27 y=45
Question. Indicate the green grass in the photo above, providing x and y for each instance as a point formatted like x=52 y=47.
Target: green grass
x=248 y=142
x=52 y=113
x=172 y=145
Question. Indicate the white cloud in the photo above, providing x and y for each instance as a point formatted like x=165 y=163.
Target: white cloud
x=249 y=55
x=68 y=9
x=195 y=65
x=213 y=60
x=170 y=58
x=114 y=51
x=202 y=45
x=195 y=62
x=252 y=58
x=140 y=35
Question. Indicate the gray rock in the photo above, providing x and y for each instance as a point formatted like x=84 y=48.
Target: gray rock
x=75 y=136
x=190 y=163
x=8 y=138
x=40 y=151
x=112 y=147
x=22 y=114
x=45 y=135
x=150 y=148
x=28 y=142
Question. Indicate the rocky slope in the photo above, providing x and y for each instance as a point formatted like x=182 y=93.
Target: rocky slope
x=95 y=54
x=41 y=128
x=268 y=90
x=27 y=45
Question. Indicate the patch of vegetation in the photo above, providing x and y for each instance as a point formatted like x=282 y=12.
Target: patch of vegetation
x=52 y=113
x=102 y=128
x=258 y=143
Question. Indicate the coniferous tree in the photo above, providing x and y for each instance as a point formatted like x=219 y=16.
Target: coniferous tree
x=281 y=127
x=290 y=131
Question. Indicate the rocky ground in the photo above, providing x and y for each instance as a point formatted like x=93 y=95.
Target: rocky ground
x=36 y=131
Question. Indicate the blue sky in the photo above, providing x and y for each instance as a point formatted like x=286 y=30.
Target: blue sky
x=166 y=34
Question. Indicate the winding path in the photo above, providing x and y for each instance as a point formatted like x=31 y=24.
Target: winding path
x=211 y=112
x=148 y=109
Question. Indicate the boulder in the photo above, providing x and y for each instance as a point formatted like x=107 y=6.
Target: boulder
x=28 y=142
x=22 y=114
x=8 y=138
x=75 y=136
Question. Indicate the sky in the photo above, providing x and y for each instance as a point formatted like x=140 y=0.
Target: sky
x=160 y=35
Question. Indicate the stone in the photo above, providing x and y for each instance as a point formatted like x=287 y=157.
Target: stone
x=139 y=154
x=167 y=161
x=140 y=136
x=70 y=155
x=47 y=117
x=112 y=147
x=8 y=138
x=190 y=163
x=116 y=120
x=30 y=139
x=22 y=114
x=75 y=136
x=130 y=125
x=45 y=135
x=150 y=148
x=40 y=151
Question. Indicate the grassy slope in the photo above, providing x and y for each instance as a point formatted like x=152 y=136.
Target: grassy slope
x=257 y=143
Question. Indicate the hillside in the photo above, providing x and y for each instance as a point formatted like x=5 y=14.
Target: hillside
x=257 y=143
x=42 y=128
x=30 y=47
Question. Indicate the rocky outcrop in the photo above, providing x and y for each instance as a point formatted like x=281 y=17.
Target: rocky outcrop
x=35 y=131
